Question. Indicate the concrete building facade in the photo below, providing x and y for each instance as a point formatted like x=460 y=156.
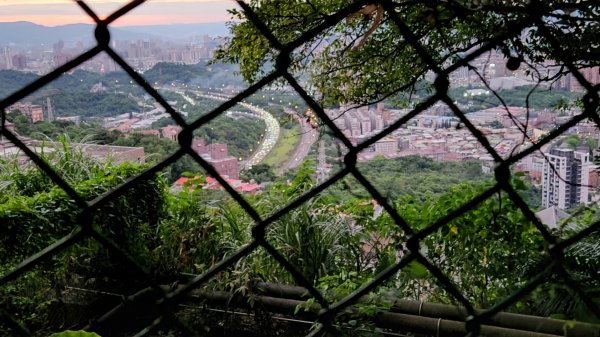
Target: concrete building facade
x=19 y=61
x=386 y=145
x=218 y=156
x=565 y=178
x=171 y=132
x=36 y=113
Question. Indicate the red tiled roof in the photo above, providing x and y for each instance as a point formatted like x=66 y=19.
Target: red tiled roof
x=249 y=187
x=212 y=183
x=181 y=181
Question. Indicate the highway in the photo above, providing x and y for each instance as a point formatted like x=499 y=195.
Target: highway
x=189 y=99
x=271 y=134
x=309 y=137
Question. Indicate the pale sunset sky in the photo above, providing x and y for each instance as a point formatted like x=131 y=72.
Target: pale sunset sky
x=153 y=12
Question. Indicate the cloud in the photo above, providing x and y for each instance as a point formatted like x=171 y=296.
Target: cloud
x=118 y=2
x=54 y=12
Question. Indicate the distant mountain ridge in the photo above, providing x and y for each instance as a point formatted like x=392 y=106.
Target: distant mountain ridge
x=177 y=31
x=28 y=33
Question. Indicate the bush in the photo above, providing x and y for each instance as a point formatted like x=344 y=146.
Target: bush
x=43 y=213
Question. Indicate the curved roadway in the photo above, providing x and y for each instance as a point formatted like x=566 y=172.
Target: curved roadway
x=271 y=134
x=309 y=137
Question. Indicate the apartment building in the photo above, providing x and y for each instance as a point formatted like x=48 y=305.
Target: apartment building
x=565 y=178
x=218 y=156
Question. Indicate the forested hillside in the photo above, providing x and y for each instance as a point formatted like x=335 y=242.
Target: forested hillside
x=71 y=95
x=415 y=176
x=189 y=232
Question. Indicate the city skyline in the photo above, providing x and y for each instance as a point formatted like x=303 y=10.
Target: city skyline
x=155 y=12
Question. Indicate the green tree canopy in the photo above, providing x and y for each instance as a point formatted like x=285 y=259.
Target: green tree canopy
x=361 y=55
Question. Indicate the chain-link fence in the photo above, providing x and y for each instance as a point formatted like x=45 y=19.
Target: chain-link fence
x=159 y=309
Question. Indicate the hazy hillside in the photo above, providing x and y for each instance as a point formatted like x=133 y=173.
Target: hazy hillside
x=181 y=30
x=214 y=75
x=31 y=33
x=25 y=33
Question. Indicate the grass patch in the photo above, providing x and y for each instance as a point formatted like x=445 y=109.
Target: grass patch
x=285 y=147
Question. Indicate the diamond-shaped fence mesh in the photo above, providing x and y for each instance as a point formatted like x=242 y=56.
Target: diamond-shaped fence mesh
x=160 y=300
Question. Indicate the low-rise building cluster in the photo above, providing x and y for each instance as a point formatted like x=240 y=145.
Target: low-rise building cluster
x=103 y=153
x=35 y=113
x=566 y=176
x=438 y=135
x=218 y=156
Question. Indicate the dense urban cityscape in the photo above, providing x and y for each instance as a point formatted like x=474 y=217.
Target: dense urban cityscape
x=359 y=168
x=435 y=133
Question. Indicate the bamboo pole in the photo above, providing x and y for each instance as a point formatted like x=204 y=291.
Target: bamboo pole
x=455 y=313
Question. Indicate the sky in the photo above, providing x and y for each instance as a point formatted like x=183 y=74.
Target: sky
x=153 y=12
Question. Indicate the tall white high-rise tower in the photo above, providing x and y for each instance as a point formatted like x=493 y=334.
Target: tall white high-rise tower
x=565 y=178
